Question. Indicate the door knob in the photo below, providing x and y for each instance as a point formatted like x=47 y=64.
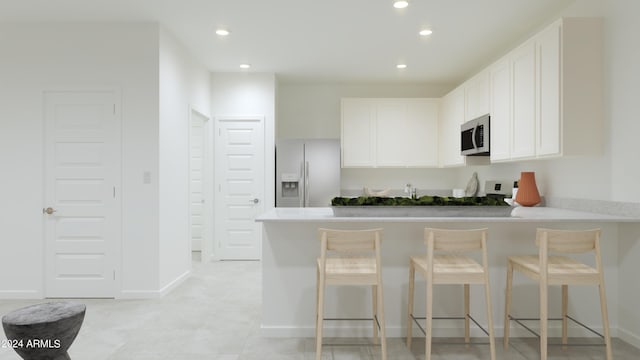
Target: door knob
x=255 y=201
x=48 y=210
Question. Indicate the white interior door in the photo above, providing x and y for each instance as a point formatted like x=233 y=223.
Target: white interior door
x=240 y=187
x=197 y=179
x=82 y=193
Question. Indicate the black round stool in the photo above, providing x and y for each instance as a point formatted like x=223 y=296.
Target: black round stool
x=44 y=331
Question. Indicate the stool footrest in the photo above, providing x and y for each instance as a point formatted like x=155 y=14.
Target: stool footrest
x=415 y=319
x=519 y=321
x=354 y=319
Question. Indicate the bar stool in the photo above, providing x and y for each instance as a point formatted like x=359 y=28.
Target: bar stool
x=559 y=270
x=452 y=268
x=350 y=257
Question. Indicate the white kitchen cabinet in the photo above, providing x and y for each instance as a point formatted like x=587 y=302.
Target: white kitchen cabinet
x=523 y=121
x=390 y=132
x=548 y=120
x=554 y=96
x=451 y=117
x=500 y=109
x=358 y=133
x=477 y=96
x=570 y=83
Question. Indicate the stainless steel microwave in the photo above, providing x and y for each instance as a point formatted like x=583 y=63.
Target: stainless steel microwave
x=474 y=137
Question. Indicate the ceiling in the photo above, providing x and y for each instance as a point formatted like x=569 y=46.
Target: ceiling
x=322 y=40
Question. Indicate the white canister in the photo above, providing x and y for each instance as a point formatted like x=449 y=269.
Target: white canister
x=458 y=193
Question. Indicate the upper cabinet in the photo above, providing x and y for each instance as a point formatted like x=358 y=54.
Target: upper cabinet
x=476 y=92
x=451 y=117
x=547 y=94
x=523 y=126
x=358 y=133
x=500 y=110
x=390 y=132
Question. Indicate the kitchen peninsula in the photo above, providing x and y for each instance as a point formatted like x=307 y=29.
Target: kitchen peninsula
x=290 y=247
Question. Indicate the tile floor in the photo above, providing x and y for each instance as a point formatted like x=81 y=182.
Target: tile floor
x=215 y=315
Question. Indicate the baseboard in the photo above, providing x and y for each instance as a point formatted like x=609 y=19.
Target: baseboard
x=155 y=294
x=629 y=337
x=21 y=294
x=173 y=284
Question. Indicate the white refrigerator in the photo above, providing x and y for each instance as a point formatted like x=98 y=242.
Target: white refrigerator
x=307 y=172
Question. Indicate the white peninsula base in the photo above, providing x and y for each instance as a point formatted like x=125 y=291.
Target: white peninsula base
x=290 y=247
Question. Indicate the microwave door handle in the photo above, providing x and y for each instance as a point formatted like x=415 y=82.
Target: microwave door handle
x=473 y=136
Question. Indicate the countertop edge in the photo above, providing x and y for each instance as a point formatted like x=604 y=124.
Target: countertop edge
x=519 y=215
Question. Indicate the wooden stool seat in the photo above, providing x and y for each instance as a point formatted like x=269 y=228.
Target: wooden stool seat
x=350 y=270
x=561 y=269
x=351 y=257
x=549 y=270
x=450 y=268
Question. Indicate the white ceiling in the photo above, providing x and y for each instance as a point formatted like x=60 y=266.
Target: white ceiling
x=322 y=40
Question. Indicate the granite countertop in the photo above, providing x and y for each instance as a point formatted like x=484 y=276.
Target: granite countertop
x=519 y=214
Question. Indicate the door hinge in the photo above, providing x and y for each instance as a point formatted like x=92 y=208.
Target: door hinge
x=114 y=274
x=114 y=109
x=219 y=132
x=114 y=192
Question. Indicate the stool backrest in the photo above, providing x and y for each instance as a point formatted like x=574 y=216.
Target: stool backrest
x=455 y=240
x=568 y=241
x=350 y=240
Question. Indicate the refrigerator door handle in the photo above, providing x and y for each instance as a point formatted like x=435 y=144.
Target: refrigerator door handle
x=306 y=184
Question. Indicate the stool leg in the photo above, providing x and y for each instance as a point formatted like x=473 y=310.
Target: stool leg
x=605 y=318
x=412 y=279
x=374 y=297
x=565 y=306
x=467 y=335
x=320 y=316
x=383 y=332
x=487 y=294
x=507 y=304
x=429 y=316
x=543 y=319
x=317 y=297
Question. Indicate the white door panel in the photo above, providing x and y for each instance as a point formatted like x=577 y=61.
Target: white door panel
x=197 y=163
x=240 y=187
x=82 y=181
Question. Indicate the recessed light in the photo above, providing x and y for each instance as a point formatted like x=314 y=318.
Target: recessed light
x=400 y=4
x=401 y=66
x=425 y=32
x=223 y=32
x=245 y=66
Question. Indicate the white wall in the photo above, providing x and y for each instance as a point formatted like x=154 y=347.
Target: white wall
x=623 y=76
x=36 y=57
x=184 y=85
x=249 y=94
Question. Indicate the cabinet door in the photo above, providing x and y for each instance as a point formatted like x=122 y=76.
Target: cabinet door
x=451 y=117
x=477 y=96
x=422 y=136
x=358 y=133
x=523 y=72
x=500 y=125
x=392 y=127
x=548 y=136
x=407 y=133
